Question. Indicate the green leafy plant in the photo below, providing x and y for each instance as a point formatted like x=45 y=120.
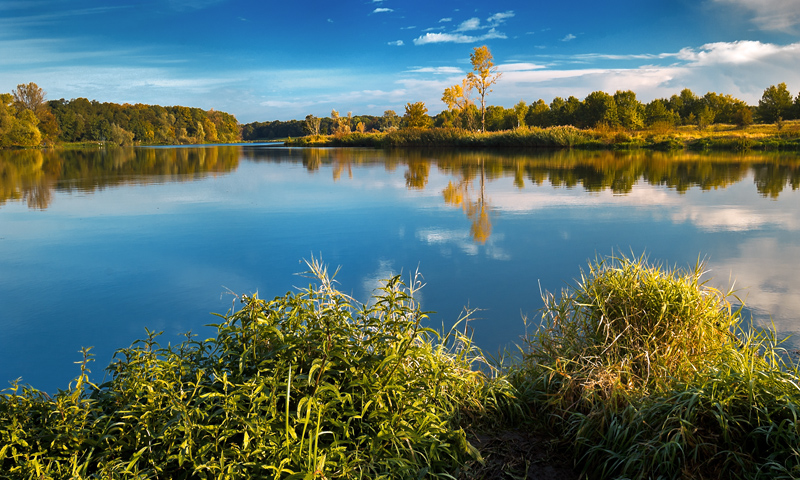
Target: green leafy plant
x=308 y=385
x=648 y=373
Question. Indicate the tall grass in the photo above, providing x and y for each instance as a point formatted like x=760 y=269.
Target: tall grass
x=663 y=137
x=647 y=372
x=308 y=385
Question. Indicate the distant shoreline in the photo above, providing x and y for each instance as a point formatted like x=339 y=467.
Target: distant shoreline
x=720 y=137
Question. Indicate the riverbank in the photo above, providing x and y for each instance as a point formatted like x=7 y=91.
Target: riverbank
x=637 y=371
x=717 y=137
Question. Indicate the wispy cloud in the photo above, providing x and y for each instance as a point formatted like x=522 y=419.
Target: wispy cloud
x=183 y=5
x=519 y=67
x=455 y=38
x=778 y=15
x=569 y=37
x=438 y=70
x=462 y=33
x=469 y=25
x=382 y=10
x=498 y=18
x=397 y=43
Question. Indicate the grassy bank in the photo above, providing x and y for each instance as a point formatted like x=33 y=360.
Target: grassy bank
x=717 y=137
x=638 y=372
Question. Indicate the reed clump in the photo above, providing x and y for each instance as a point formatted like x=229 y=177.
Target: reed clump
x=647 y=372
x=308 y=385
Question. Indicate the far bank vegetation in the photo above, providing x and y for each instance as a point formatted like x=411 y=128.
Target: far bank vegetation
x=27 y=119
x=600 y=120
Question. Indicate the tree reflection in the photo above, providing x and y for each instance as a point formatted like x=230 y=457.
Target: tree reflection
x=32 y=175
x=477 y=210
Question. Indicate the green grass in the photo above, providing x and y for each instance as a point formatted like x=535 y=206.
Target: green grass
x=308 y=385
x=639 y=370
x=718 y=138
x=647 y=372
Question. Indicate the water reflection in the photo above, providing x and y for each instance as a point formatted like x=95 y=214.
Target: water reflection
x=32 y=175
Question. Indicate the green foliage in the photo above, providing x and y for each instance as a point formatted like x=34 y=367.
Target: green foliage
x=416 y=116
x=598 y=108
x=646 y=371
x=775 y=104
x=308 y=385
x=81 y=120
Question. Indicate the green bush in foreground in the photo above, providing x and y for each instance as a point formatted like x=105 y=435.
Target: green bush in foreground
x=308 y=385
x=647 y=373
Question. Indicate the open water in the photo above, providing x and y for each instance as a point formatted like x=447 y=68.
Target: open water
x=97 y=245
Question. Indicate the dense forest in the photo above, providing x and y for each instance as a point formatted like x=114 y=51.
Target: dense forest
x=28 y=119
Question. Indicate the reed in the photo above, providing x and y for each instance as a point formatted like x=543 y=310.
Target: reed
x=647 y=372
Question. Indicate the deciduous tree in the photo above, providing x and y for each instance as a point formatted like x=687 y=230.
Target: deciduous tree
x=483 y=75
x=416 y=115
x=629 y=110
x=29 y=96
x=520 y=110
x=312 y=124
x=775 y=103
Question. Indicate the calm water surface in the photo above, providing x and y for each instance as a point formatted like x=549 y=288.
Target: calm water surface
x=96 y=245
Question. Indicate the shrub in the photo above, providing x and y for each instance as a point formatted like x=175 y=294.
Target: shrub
x=647 y=372
x=308 y=385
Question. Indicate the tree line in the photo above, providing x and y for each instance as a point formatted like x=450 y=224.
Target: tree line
x=621 y=110
x=28 y=119
x=598 y=109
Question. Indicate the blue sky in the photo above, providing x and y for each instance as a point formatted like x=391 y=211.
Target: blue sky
x=268 y=60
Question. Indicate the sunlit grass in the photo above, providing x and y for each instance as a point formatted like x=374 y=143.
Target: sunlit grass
x=661 y=137
x=647 y=372
x=308 y=385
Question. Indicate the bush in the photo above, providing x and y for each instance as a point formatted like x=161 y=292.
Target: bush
x=308 y=385
x=646 y=371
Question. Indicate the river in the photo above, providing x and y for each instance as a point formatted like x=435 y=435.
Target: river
x=98 y=244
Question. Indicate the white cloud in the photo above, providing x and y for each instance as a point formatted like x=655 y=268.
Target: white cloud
x=456 y=38
x=501 y=17
x=777 y=15
x=569 y=37
x=445 y=20
x=397 y=43
x=469 y=25
x=741 y=52
x=438 y=70
x=382 y=10
x=519 y=67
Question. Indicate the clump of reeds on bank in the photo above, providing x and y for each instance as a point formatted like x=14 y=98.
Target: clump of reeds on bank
x=552 y=137
x=648 y=373
x=308 y=385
